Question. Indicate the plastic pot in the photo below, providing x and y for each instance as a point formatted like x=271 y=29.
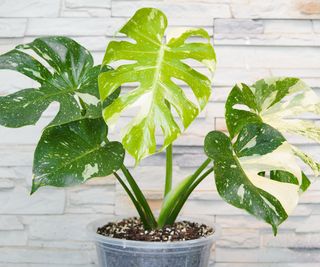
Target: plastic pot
x=114 y=252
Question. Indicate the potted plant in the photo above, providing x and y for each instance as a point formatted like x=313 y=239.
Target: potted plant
x=254 y=166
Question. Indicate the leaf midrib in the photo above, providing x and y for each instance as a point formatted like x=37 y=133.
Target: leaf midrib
x=157 y=73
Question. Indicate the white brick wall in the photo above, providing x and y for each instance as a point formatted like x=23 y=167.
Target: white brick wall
x=253 y=39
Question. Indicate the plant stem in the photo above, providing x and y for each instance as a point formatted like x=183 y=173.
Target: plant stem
x=140 y=198
x=202 y=167
x=134 y=201
x=182 y=200
x=168 y=181
x=173 y=197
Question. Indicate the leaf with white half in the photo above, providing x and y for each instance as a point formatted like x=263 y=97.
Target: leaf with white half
x=277 y=102
x=258 y=173
x=155 y=66
x=71 y=80
x=72 y=153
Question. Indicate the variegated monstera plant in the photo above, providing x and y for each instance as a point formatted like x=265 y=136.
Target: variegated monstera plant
x=255 y=167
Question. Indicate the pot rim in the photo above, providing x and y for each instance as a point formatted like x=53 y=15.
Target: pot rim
x=94 y=236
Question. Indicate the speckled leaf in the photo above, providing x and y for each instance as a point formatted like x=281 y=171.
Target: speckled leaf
x=240 y=172
x=239 y=107
x=277 y=102
x=71 y=80
x=287 y=177
x=155 y=66
x=72 y=153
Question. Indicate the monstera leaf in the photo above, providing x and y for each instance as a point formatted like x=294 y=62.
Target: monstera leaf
x=71 y=80
x=156 y=65
x=277 y=102
x=257 y=173
x=72 y=153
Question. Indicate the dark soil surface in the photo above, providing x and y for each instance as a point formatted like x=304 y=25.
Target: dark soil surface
x=132 y=229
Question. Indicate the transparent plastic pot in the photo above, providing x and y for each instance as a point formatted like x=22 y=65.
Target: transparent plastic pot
x=114 y=252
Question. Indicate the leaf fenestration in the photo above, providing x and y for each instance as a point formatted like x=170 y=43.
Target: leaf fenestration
x=240 y=172
x=277 y=102
x=155 y=66
x=71 y=80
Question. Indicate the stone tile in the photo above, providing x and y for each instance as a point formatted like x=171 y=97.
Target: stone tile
x=88 y=4
x=292 y=240
x=74 y=26
x=70 y=227
x=238 y=26
x=11 y=255
x=30 y=8
x=237 y=238
x=267 y=255
x=276 y=9
x=8 y=223
x=13 y=238
x=12 y=27
x=180 y=10
x=19 y=201
x=6 y=184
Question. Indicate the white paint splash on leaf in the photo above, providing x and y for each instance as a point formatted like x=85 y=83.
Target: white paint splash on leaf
x=90 y=170
x=241 y=192
x=88 y=99
x=251 y=144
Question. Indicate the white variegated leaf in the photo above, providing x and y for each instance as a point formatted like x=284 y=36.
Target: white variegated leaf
x=258 y=173
x=155 y=66
x=279 y=102
x=283 y=159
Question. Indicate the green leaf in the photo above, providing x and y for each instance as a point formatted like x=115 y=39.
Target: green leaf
x=255 y=139
x=287 y=177
x=305 y=183
x=240 y=172
x=72 y=153
x=240 y=107
x=71 y=80
x=277 y=102
x=155 y=66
